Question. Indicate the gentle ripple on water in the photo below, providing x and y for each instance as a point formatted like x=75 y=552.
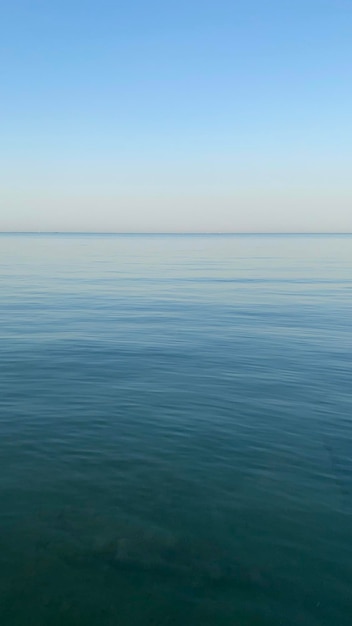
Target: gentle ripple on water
x=175 y=420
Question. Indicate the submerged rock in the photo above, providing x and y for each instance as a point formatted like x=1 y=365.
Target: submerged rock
x=134 y=548
x=163 y=553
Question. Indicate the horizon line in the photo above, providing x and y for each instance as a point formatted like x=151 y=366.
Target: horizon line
x=176 y=233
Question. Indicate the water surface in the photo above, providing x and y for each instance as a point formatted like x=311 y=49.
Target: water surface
x=175 y=430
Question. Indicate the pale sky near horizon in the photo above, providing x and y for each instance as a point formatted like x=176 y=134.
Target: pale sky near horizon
x=221 y=116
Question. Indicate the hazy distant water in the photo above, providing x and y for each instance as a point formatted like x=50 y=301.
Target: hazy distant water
x=175 y=430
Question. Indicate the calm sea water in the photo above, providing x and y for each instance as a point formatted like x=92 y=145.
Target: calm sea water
x=175 y=430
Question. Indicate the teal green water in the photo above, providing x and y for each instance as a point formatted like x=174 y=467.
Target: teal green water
x=175 y=430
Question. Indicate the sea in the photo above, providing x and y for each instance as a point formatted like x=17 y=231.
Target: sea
x=175 y=430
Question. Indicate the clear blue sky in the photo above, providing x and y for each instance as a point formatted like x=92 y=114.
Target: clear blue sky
x=176 y=116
